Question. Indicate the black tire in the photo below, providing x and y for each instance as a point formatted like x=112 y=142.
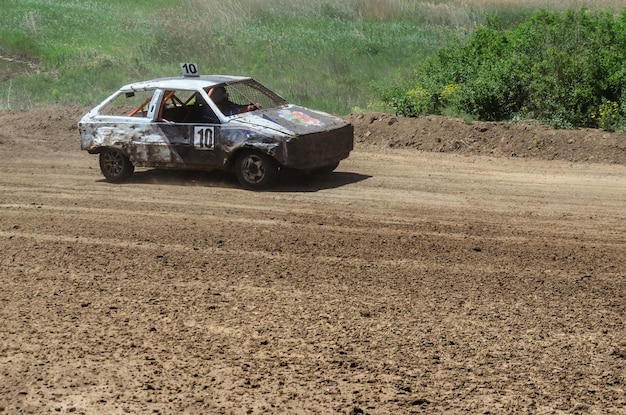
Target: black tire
x=115 y=166
x=256 y=171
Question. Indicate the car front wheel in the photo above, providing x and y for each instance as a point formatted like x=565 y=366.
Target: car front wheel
x=115 y=166
x=256 y=171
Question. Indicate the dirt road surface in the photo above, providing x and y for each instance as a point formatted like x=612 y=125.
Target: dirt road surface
x=444 y=268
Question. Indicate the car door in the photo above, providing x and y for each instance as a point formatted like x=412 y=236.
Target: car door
x=192 y=140
x=193 y=143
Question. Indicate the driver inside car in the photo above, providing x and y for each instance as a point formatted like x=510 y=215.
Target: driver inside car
x=219 y=95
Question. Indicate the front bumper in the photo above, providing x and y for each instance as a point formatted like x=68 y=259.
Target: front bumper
x=309 y=151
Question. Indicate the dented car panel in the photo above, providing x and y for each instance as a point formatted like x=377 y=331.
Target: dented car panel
x=179 y=123
x=141 y=142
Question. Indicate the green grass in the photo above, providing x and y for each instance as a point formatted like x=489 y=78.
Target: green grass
x=329 y=54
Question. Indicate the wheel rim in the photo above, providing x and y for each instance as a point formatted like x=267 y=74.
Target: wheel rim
x=253 y=169
x=113 y=162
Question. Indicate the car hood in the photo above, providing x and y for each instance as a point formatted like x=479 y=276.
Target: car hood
x=292 y=120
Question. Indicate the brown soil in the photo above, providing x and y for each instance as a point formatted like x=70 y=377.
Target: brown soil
x=443 y=268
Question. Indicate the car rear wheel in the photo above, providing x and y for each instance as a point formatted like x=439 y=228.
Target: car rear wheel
x=256 y=171
x=115 y=166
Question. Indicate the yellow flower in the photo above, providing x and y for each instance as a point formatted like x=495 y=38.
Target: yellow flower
x=417 y=93
x=449 y=92
x=608 y=115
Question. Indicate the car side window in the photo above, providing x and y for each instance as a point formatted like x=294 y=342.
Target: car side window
x=172 y=108
x=129 y=104
x=200 y=111
x=185 y=106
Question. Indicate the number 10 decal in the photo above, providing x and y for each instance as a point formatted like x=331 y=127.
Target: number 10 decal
x=203 y=138
x=189 y=70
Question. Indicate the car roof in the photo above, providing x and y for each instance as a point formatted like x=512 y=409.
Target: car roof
x=198 y=82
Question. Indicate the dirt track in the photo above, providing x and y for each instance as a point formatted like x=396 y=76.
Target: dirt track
x=408 y=281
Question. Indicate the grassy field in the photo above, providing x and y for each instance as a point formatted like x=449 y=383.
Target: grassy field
x=333 y=55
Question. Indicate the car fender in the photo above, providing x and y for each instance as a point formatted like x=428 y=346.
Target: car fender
x=237 y=136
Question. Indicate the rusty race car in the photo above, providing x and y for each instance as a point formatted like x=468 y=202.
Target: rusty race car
x=212 y=123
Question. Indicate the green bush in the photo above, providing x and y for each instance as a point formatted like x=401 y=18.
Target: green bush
x=561 y=69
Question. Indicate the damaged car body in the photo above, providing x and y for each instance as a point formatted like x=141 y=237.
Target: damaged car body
x=212 y=123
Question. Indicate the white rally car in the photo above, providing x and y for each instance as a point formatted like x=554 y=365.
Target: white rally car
x=212 y=122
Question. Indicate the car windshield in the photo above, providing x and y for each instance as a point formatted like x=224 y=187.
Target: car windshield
x=251 y=92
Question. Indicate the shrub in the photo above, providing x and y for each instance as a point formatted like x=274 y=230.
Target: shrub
x=561 y=69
